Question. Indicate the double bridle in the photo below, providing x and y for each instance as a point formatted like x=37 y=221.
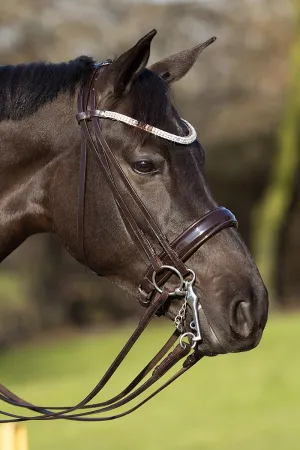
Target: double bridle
x=153 y=290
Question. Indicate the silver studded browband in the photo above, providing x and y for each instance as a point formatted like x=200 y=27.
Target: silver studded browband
x=185 y=140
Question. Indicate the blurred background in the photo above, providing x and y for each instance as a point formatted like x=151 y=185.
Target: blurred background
x=61 y=325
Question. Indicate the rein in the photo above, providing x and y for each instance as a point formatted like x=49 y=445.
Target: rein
x=153 y=291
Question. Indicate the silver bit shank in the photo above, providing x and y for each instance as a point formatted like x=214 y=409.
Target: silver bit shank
x=192 y=300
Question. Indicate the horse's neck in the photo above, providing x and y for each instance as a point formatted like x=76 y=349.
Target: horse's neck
x=30 y=150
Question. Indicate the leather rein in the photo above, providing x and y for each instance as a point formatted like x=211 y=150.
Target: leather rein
x=153 y=290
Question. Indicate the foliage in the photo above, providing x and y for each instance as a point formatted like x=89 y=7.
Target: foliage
x=270 y=214
x=247 y=401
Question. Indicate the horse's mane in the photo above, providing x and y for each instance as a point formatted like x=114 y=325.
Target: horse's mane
x=26 y=87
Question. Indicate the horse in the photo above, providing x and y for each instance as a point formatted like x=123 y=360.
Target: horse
x=97 y=154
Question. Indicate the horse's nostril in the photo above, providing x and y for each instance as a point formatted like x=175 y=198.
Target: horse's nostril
x=241 y=320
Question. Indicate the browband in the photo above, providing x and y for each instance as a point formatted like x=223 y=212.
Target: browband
x=105 y=114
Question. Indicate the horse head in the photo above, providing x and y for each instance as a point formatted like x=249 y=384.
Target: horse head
x=168 y=178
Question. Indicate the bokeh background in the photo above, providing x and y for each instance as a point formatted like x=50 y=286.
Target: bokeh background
x=60 y=325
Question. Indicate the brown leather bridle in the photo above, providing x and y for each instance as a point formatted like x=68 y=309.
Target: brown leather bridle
x=153 y=290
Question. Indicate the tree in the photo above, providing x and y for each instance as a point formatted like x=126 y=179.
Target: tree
x=270 y=214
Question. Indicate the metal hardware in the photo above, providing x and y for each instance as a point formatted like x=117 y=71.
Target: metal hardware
x=179 y=319
x=192 y=300
x=178 y=290
x=183 y=344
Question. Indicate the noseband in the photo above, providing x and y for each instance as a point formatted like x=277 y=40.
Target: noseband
x=154 y=293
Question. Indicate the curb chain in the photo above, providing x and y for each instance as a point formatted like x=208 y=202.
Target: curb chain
x=179 y=319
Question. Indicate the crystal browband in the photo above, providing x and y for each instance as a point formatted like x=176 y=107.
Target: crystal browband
x=104 y=114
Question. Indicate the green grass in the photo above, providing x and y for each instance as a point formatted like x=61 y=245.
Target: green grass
x=245 y=401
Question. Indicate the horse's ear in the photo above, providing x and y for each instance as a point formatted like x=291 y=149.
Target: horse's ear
x=127 y=67
x=176 y=66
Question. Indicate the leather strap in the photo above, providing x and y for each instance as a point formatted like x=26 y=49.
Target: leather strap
x=121 y=398
x=150 y=223
x=188 y=243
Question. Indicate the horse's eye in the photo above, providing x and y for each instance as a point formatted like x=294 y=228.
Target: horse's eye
x=144 y=166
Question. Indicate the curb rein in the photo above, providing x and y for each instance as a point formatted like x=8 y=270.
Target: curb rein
x=153 y=291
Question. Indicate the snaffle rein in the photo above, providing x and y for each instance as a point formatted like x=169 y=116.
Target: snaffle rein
x=153 y=290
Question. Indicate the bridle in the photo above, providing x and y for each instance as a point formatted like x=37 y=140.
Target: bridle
x=154 y=293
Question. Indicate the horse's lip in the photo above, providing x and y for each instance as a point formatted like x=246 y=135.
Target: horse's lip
x=213 y=343
x=210 y=344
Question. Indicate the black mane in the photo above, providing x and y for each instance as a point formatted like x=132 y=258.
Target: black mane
x=26 y=87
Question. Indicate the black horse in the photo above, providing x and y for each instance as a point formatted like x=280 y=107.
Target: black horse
x=146 y=192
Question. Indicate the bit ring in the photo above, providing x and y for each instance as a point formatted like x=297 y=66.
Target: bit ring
x=178 y=290
x=183 y=344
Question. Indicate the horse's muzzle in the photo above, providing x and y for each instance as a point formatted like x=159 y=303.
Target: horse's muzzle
x=242 y=331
